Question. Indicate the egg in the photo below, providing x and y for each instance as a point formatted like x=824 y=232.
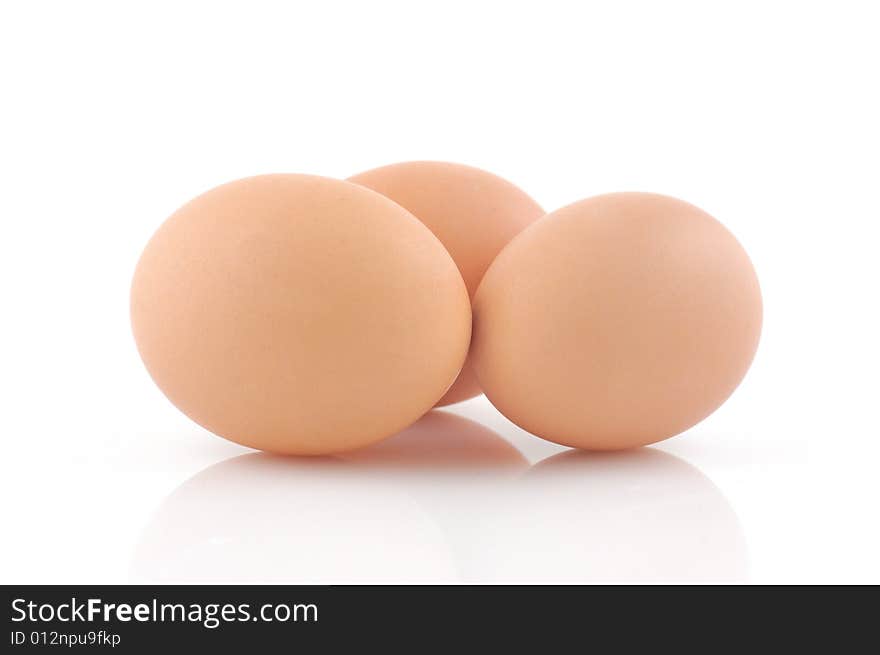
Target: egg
x=299 y=314
x=473 y=212
x=617 y=321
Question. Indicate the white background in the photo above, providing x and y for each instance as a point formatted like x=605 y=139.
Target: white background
x=113 y=114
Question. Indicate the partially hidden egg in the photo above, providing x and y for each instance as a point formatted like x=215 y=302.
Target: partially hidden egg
x=299 y=314
x=473 y=212
x=616 y=321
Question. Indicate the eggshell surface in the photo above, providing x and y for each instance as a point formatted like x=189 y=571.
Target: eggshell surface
x=299 y=314
x=473 y=212
x=616 y=321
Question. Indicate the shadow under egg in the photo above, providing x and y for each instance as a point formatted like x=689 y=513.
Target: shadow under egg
x=441 y=441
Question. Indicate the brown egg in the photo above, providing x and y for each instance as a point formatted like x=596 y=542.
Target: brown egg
x=616 y=322
x=474 y=213
x=299 y=314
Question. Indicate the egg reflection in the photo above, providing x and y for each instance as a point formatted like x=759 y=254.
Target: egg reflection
x=383 y=514
x=447 y=500
x=640 y=516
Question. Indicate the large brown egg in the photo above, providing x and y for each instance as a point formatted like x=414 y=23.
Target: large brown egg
x=616 y=322
x=299 y=314
x=474 y=213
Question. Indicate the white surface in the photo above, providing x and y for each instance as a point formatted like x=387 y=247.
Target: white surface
x=765 y=114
